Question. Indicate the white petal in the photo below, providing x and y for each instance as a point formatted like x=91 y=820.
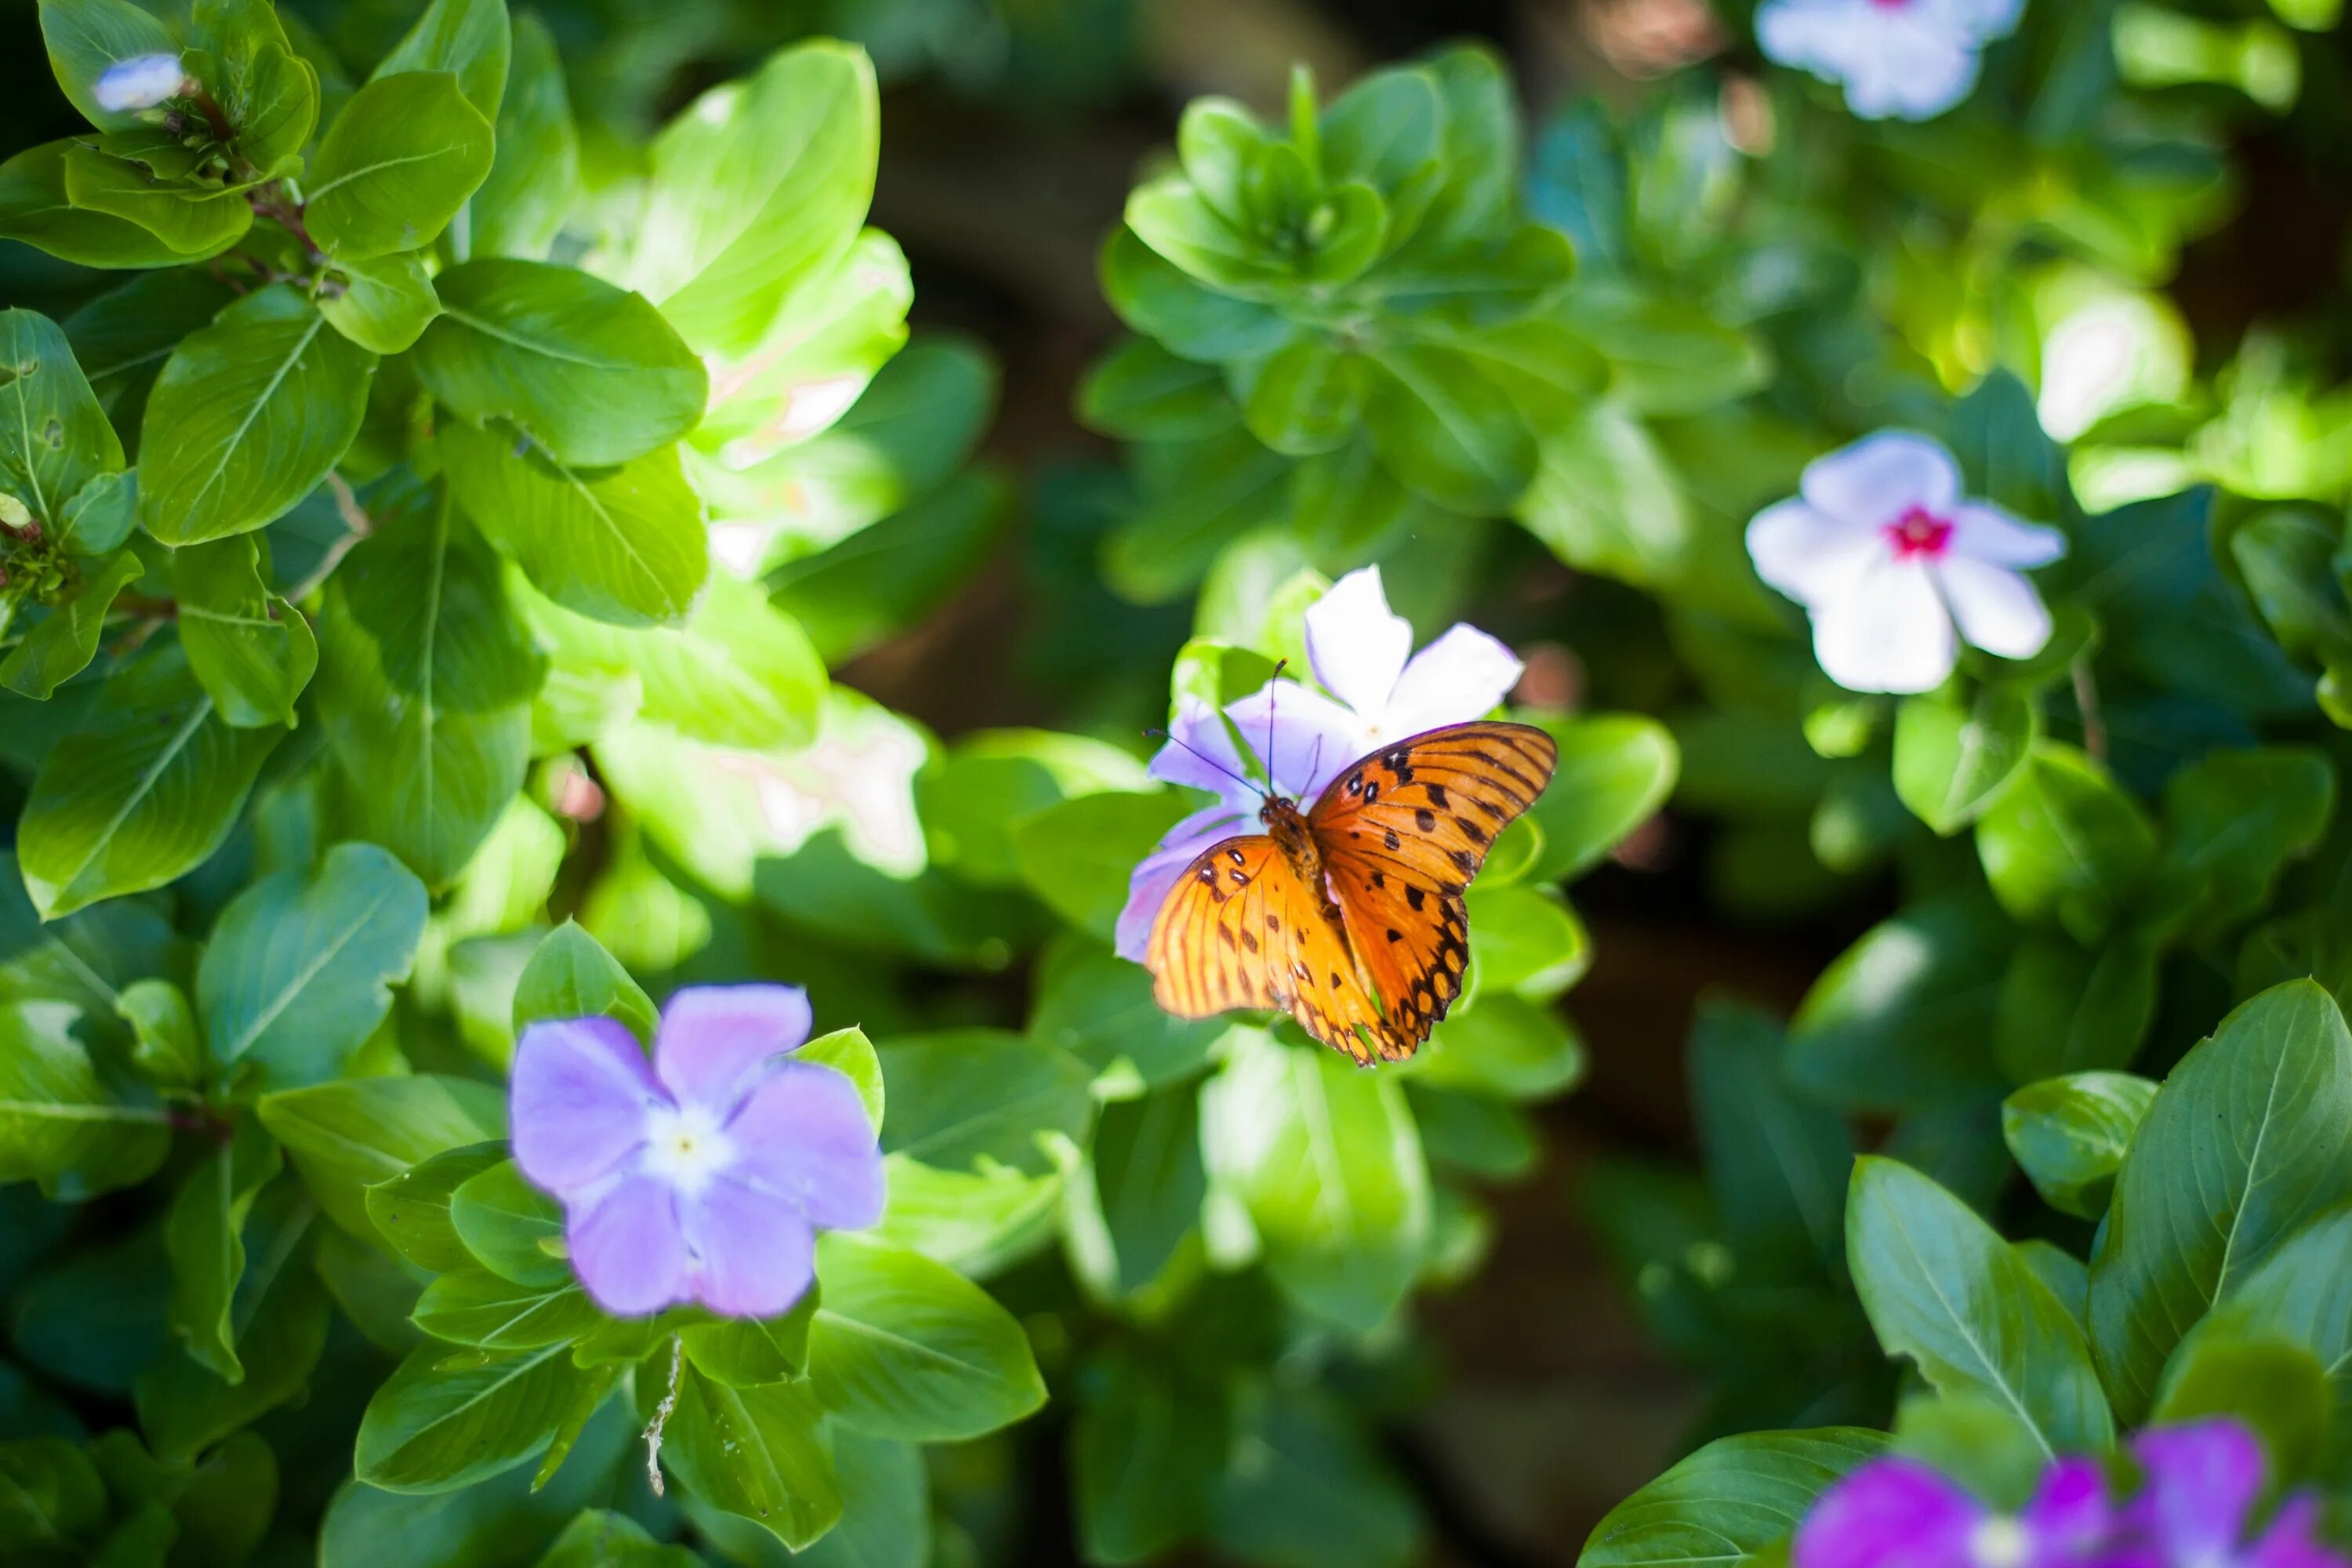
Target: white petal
x=1817 y=35
x=1809 y=556
x=1893 y=634
x=1983 y=531
x=1918 y=70
x=1199 y=753
x=1357 y=644
x=1461 y=676
x=1877 y=479
x=1147 y=886
x=1998 y=609
x=1305 y=738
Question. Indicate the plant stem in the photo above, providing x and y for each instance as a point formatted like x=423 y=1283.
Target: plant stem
x=662 y=1414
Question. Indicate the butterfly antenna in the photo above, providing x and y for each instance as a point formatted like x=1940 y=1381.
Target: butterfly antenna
x=1164 y=735
x=1273 y=699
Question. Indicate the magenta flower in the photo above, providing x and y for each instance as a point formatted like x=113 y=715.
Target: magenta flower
x=705 y=1175
x=2202 y=1483
x=1899 y=1513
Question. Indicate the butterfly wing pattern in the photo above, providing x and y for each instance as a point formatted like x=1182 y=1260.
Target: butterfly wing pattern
x=1369 y=962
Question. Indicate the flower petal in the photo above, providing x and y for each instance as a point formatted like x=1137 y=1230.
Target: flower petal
x=1809 y=556
x=1890 y=1513
x=627 y=1247
x=1201 y=754
x=1983 y=531
x=1309 y=739
x=2070 y=1518
x=1876 y=480
x=1461 y=676
x=2201 y=1481
x=1357 y=644
x=2292 y=1540
x=1998 y=609
x=577 y=1103
x=1890 y=634
x=1817 y=35
x=1147 y=886
x=804 y=1138
x=711 y=1035
x=753 y=1252
x=1918 y=69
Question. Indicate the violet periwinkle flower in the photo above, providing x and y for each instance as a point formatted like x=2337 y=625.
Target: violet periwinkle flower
x=2199 y=1492
x=704 y=1175
x=142 y=81
x=1362 y=652
x=1887 y=557
x=1907 y=59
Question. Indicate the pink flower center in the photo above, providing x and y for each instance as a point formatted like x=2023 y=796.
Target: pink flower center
x=1918 y=532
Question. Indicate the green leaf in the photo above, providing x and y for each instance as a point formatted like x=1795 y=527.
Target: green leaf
x=101 y=515
x=1952 y=762
x=1943 y=1288
x=1142 y=1192
x=2064 y=1010
x=396 y=165
x=1526 y=940
x=1147 y=1445
x=2276 y=1388
x=2064 y=841
x=299 y=970
x=591 y=372
x=1140 y=391
x=2302 y=1296
x=248 y=417
x=143 y=791
x=1615 y=771
x=251 y=650
x=905 y=1348
x=1778 y=1165
x=1732 y=1500
x=596 y=1539
x=884 y=579
x=1200 y=497
x=757 y=186
x=511 y=1227
x=1308 y=398
x=62 y=643
x=1078 y=855
x=1326 y=1161
x=123 y=336
x=1098 y=1006
x=85 y=37
x=411 y=1210
x=345 y=1137
x=35 y=209
x=852 y=1055
x=167 y=1050
x=1605 y=499
x=2194 y=1211
x=467 y=37
x=425 y=684
x=1303 y=1485
x=759 y=1452
x=1501 y=1044
x=743 y=1352
x=570 y=976
x=626 y=545
x=53 y=438
x=2234 y=820
x=1447 y=431
x=2070 y=1133
x=536 y=173
x=58 y=1122
x=206 y=1236
x=384 y=304
x=972 y=1097
x=1666 y=356
x=441 y=1422
x=1903 y=1019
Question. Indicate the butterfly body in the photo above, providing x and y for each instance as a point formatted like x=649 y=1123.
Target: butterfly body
x=1349 y=915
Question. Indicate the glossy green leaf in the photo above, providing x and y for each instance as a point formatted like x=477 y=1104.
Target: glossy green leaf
x=1449 y=432
x=411 y=1210
x=466 y=37
x=886 y=578
x=964 y=1098
x=1778 y=1165
x=383 y=303
x=759 y=1452
x=61 y=644
x=346 y=1136
x=1143 y=1186
x=35 y=209
x=2070 y=1135
x=53 y=438
x=397 y=164
x=1147 y=1446
x=1734 y=1499
x=441 y=1422
x=511 y=1227
x=205 y=1236
x=2065 y=842
x=905 y=1348
x=2234 y=820
x=59 y=1121
x=251 y=650
x=1953 y=760
x=849 y=1053
x=536 y=173
x=570 y=976
x=166 y=1049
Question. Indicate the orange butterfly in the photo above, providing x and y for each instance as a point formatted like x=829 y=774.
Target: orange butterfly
x=1350 y=915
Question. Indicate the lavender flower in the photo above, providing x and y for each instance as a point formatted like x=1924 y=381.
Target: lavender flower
x=2202 y=1483
x=1899 y=1513
x=705 y=1175
x=1910 y=59
x=142 y=81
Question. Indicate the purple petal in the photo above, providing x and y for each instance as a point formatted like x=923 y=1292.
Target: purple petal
x=804 y=1138
x=1877 y=479
x=1147 y=888
x=1356 y=644
x=1810 y=557
x=2292 y=1540
x=1309 y=739
x=627 y=1247
x=2201 y=1481
x=1998 y=609
x=2070 y=1518
x=712 y=1036
x=754 y=1254
x=1983 y=531
x=1464 y=675
x=1200 y=755
x=578 y=1102
x=1890 y=1513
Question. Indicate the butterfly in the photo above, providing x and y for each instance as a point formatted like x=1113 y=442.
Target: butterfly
x=1349 y=915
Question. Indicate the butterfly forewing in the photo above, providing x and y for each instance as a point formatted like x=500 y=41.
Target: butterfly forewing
x=1401 y=834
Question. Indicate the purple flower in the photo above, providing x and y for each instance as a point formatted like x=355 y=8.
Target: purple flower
x=142 y=81
x=1899 y=1513
x=2201 y=1481
x=1886 y=556
x=1362 y=652
x=1911 y=60
x=705 y=1175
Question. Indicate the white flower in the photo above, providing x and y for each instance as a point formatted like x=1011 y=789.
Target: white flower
x=142 y=81
x=1908 y=59
x=1360 y=649
x=1886 y=556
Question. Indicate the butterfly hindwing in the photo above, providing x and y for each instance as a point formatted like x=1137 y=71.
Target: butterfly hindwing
x=1401 y=833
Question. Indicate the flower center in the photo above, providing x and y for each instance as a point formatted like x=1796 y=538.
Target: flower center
x=685 y=1146
x=1919 y=533
x=2000 y=1543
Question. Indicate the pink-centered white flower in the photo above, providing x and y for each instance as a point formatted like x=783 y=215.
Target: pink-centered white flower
x=1896 y=567
x=1903 y=59
x=1297 y=740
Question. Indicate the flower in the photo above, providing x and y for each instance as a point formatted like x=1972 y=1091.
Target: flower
x=1362 y=652
x=142 y=81
x=705 y=1175
x=1911 y=60
x=2201 y=1481
x=1886 y=556
x=1899 y=1513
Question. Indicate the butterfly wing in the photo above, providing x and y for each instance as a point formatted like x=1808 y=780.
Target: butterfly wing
x=1401 y=834
x=1240 y=929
